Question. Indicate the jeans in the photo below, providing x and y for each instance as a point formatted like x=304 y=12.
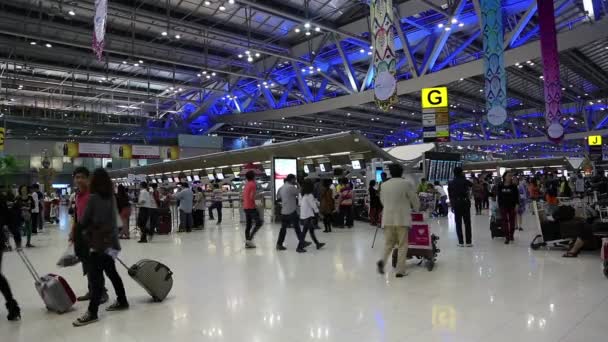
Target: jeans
x=98 y=264
x=396 y=236
x=4 y=287
x=27 y=230
x=309 y=227
x=462 y=212
x=35 y=220
x=478 y=205
x=286 y=220
x=216 y=205
x=185 y=221
x=250 y=216
x=346 y=212
x=327 y=219
x=508 y=220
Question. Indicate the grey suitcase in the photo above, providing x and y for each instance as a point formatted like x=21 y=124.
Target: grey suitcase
x=54 y=290
x=155 y=277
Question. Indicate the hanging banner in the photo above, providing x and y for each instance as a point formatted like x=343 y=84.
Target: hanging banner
x=99 y=31
x=169 y=152
x=493 y=62
x=145 y=152
x=122 y=151
x=550 y=58
x=2 y=138
x=68 y=149
x=435 y=115
x=384 y=61
x=94 y=150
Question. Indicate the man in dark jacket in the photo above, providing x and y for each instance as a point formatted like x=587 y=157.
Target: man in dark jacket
x=459 y=190
x=14 y=313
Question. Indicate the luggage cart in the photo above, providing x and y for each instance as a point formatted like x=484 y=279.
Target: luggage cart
x=541 y=240
x=422 y=244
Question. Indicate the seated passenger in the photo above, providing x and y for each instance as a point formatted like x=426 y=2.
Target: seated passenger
x=585 y=237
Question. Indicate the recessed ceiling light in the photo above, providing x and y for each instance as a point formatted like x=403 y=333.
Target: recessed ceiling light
x=362 y=51
x=231 y=2
x=199 y=75
x=240 y=56
x=33 y=43
x=48 y=45
x=71 y=12
x=212 y=74
x=164 y=33
x=207 y=3
x=222 y=8
x=318 y=29
x=297 y=30
x=461 y=25
x=208 y=77
x=141 y=62
x=308 y=33
x=440 y=25
x=307 y=25
x=461 y=79
x=136 y=64
x=249 y=59
x=124 y=62
x=454 y=20
x=257 y=54
x=177 y=36
x=447 y=28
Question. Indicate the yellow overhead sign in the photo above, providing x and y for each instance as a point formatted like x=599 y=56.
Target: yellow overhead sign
x=595 y=140
x=434 y=97
x=2 y=138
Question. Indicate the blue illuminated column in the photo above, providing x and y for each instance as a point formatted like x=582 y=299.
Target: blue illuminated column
x=494 y=64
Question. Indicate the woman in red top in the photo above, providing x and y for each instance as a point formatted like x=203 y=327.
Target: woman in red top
x=346 y=204
x=251 y=212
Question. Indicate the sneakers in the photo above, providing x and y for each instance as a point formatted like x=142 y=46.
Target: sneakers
x=320 y=245
x=400 y=275
x=249 y=244
x=117 y=306
x=301 y=250
x=307 y=243
x=29 y=245
x=380 y=266
x=460 y=245
x=104 y=298
x=142 y=241
x=86 y=319
x=281 y=248
x=469 y=245
x=14 y=312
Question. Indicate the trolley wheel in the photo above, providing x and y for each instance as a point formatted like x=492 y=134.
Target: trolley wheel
x=430 y=264
x=606 y=268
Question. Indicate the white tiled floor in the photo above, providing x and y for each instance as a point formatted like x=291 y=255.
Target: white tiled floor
x=223 y=292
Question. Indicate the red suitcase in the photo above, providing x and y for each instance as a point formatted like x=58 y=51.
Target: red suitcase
x=164 y=222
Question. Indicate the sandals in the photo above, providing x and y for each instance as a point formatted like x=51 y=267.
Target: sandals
x=570 y=255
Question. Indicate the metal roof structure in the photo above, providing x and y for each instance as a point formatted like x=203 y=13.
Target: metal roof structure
x=259 y=71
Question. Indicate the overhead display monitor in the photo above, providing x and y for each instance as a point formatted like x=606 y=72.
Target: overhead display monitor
x=219 y=175
x=306 y=169
x=325 y=167
x=356 y=164
x=211 y=177
x=153 y=180
x=197 y=178
x=189 y=178
x=268 y=172
x=282 y=168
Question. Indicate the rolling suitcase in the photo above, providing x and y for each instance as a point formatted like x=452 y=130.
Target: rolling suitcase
x=53 y=289
x=154 y=277
x=164 y=222
x=496 y=227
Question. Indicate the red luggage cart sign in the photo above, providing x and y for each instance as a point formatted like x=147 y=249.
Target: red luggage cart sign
x=420 y=236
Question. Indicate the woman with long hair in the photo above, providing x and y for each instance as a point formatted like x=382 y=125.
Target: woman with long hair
x=328 y=204
x=309 y=212
x=124 y=210
x=375 y=207
x=24 y=204
x=96 y=242
x=6 y=218
x=508 y=201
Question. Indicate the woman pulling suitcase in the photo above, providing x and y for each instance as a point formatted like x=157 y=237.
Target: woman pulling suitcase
x=96 y=242
x=7 y=218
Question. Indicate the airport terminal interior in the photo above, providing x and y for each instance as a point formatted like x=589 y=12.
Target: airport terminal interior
x=303 y=170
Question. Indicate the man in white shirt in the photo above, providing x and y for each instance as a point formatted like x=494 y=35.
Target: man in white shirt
x=145 y=203
x=398 y=197
x=36 y=209
x=443 y=198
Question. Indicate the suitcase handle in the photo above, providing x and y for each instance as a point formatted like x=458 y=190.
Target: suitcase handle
x=28 y=265
x=161 y=266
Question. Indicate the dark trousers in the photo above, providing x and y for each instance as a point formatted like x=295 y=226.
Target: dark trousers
x=185 y=221
x=509 y=221
x=199 y=218
x=346 y=213
x=4 y=287
x=486 y=202
x=142 y=221
x=35 y=222
x=462 y=212
x=154 y=216
x=252 y=215
x=374 y=215
x=309 y=228
x=286 y=220
x=216 y=205
x=98 y=264
x=327 y=219
x=478 y=205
